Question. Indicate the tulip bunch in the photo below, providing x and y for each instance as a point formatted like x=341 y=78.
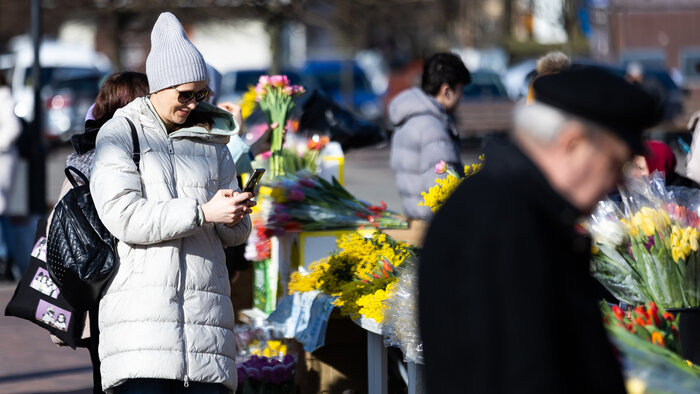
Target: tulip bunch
x=308 y=202
x=684 y=241
x=275 y=96
x=647 y=254
x=649 y=322
x=647 y=342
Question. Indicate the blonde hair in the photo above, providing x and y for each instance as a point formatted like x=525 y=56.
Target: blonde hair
x=552 y=63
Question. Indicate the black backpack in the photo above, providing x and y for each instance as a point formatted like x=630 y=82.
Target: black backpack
x=81 y=252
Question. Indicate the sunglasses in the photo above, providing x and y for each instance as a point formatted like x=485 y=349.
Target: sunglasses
x=188 y=95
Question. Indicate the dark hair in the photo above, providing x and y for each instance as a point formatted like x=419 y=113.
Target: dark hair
x=117 y=91
x=443 y=68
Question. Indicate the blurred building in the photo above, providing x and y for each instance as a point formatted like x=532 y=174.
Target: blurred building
x=655 y=33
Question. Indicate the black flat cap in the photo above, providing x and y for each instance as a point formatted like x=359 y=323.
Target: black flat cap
x=603 y=98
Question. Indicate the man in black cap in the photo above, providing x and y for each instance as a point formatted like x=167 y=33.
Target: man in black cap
x=504 y=300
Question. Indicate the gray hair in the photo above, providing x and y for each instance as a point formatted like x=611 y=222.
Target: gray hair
x=543 y=122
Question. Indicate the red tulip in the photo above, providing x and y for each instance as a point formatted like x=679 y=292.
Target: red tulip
x=618 y=312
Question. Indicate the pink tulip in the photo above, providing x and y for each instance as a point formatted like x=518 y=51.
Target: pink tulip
x=441 y=167
x=260 y=92
x=264 y=80
x=266 y=154
x=279 y=81
x=287 y=90
x=298 y=90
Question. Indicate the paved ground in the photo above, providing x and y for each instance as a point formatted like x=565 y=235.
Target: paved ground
x=31 y=363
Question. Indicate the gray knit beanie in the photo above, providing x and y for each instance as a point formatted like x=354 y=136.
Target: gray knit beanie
x=173 y=59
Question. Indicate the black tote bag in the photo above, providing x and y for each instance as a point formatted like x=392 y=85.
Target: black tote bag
x=38 y=299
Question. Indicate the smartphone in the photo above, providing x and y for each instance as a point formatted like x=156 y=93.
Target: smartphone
x=253 y=180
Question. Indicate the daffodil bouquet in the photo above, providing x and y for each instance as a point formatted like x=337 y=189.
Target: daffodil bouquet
x=361 y=274
x=649 y=253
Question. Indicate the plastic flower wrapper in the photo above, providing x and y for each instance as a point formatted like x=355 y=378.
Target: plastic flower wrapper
x=609 y=266
x=658 y=260
x=308 y=202
x=401 y=315
x=646 y=339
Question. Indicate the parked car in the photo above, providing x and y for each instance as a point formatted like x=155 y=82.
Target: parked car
x=59 y=61
x=322 y=115
x=516 y=78
x=485 y=106
x=353 y=93
x=67 y=103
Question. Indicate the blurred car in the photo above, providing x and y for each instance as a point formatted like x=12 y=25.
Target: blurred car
x=516 y=78
x=322 y=115
x=59 y=61
x=67 y=103
x=485 y=106
x=357 y=96
x=235 y=83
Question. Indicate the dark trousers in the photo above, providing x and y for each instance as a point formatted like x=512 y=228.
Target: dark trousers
x=167 y=386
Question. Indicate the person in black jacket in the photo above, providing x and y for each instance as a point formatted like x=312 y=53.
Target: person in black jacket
x=505 y=301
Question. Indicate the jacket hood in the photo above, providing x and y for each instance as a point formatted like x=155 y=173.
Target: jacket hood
x=413 y=101
x=223 y=128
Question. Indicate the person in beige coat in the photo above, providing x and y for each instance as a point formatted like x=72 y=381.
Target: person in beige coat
x=165 y=319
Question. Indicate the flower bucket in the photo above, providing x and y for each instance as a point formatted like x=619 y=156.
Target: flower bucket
x=689 y=332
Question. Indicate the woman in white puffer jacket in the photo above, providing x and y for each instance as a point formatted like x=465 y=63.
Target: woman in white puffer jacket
x=166 y=319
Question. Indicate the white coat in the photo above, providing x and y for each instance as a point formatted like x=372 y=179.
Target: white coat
x=166 y=314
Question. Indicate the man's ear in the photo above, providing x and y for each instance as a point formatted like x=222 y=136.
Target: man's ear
x=444 y=89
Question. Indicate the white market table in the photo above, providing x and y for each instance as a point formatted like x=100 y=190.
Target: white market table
x=377 y=371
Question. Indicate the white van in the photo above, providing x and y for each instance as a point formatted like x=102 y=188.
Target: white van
x=59 y=61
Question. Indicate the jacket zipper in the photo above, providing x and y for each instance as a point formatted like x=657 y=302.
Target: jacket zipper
x=183 y=269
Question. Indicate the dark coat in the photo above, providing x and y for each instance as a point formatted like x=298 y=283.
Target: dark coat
x=505 y=299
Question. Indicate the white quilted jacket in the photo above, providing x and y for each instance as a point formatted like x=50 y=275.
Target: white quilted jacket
x=167 y=312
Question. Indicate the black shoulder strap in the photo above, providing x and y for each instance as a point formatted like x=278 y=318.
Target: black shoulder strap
x=137 y=147
x=415 y=115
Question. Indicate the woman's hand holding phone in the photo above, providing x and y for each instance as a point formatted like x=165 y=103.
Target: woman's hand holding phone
x=228 y=207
